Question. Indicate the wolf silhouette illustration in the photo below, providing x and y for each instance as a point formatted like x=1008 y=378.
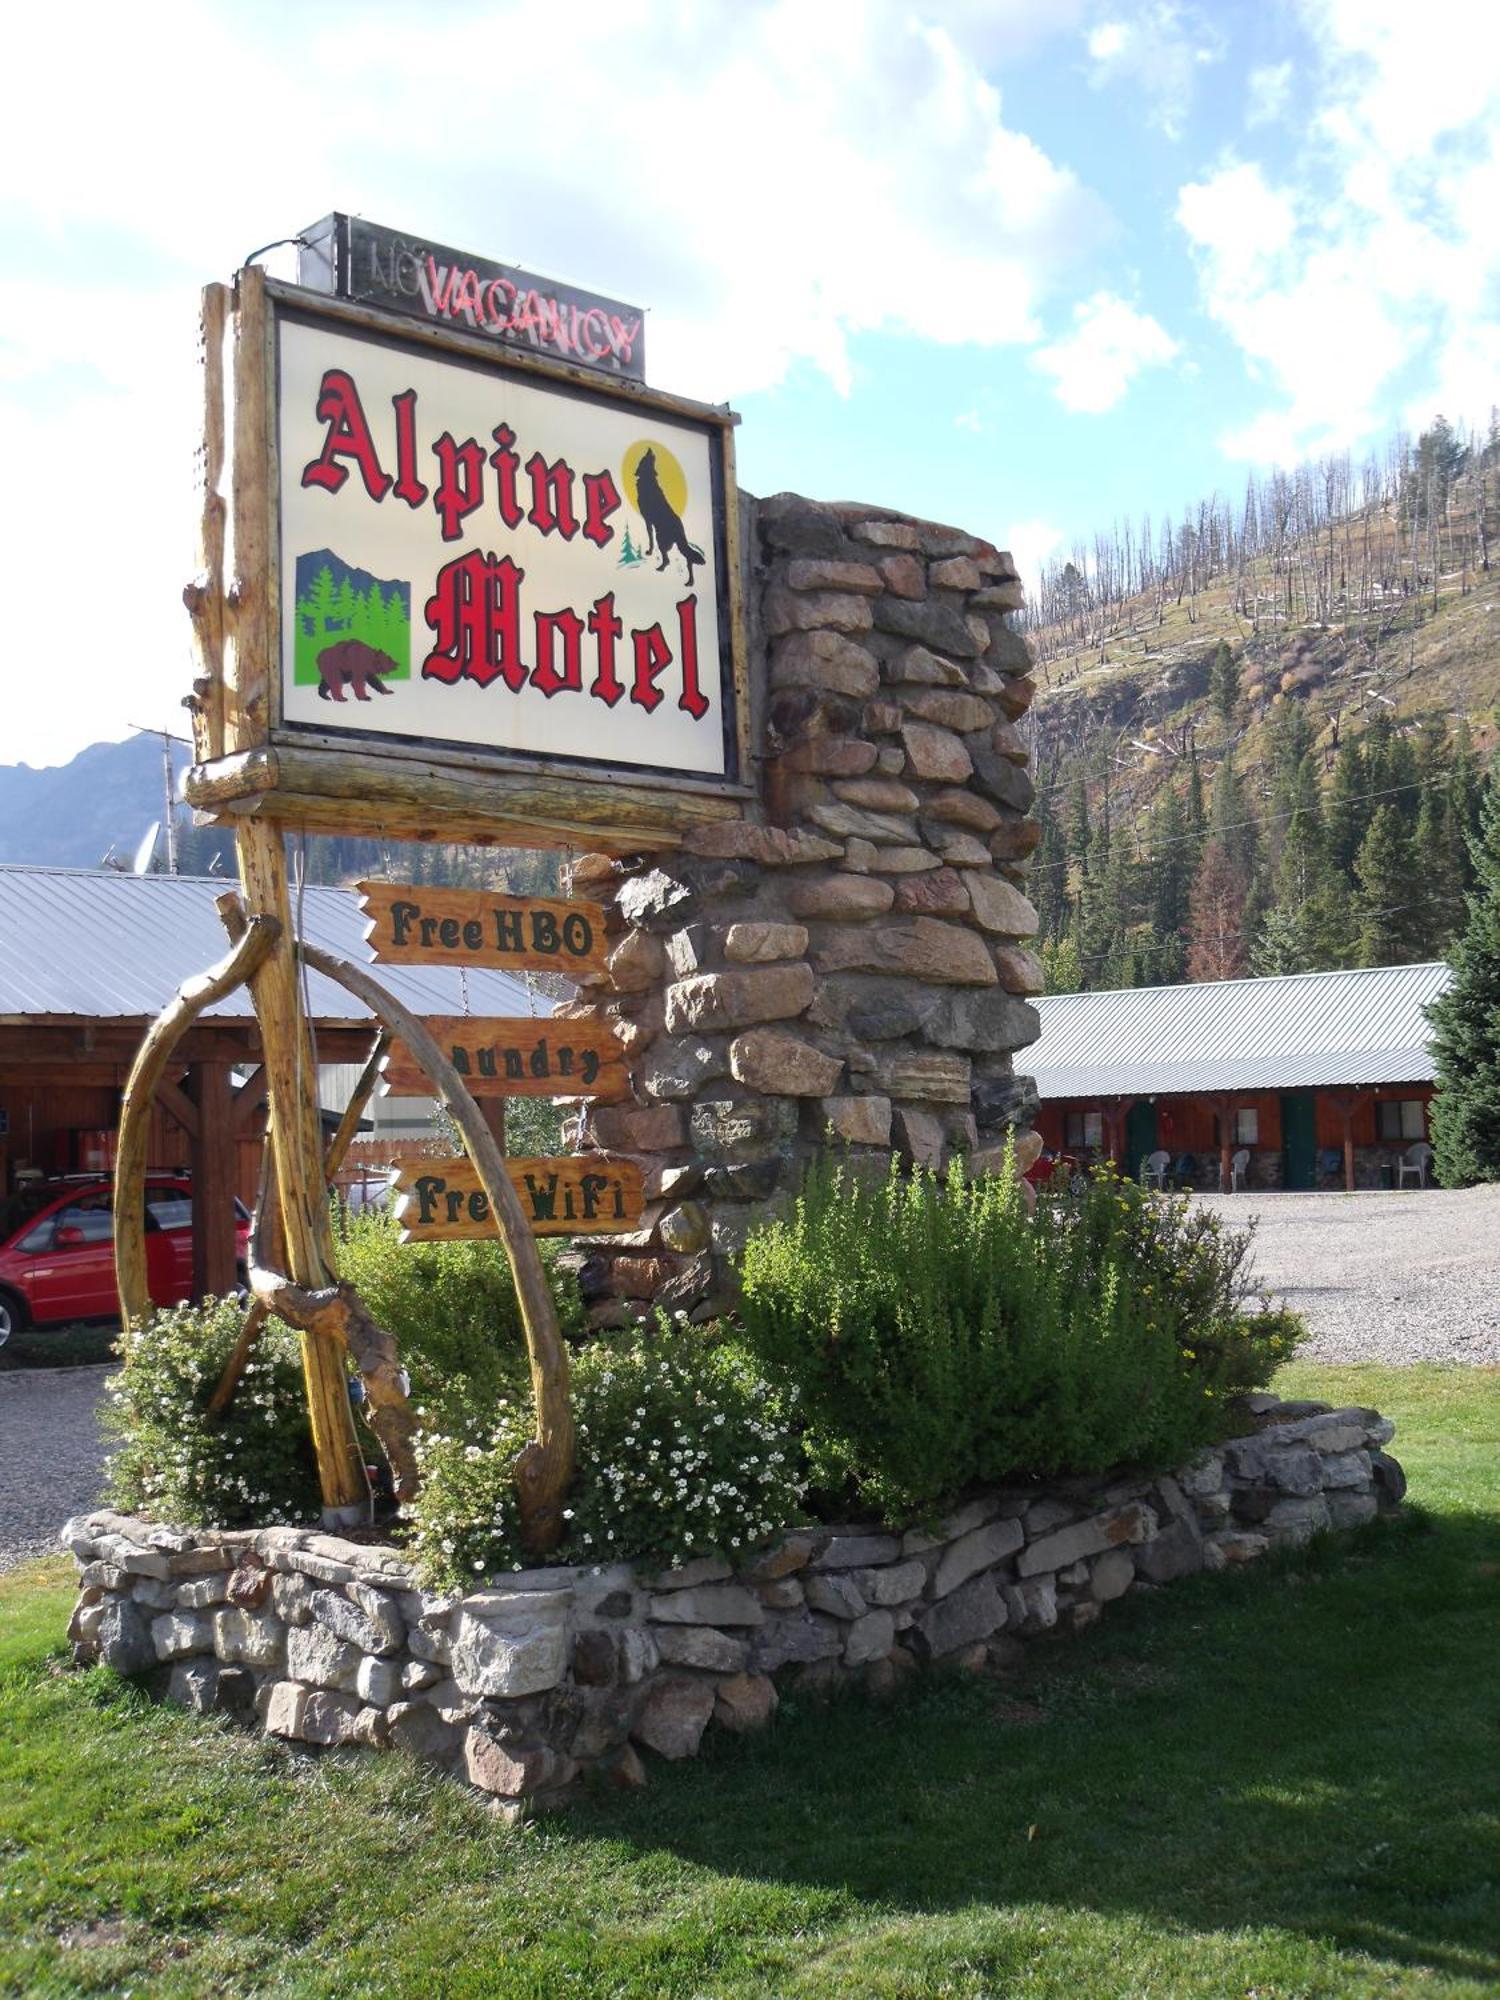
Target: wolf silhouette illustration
x=351 y=663
x=664 y=529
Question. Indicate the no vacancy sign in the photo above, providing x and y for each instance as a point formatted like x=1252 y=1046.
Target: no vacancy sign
x=483 y=558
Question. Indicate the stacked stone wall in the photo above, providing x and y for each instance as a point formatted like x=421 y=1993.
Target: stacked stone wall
x=526 y=1687
x=852 y=956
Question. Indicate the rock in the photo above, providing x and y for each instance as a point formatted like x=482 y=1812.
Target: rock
x=249 y=1638
x=904 y=860
x=826 y=661
x=896 y=1584
x=1112 y=1575
x=248 y=1585
x=194 y=1684
x=1204 y=1475
x=725 y=1129
x=930 y=622
x=625 y=1771
x=862 y=1121
x=418 y=1729
x=923 y=1073
x=1020 y=970
x=201 y=1593
x=830 y=757
x=634 y=1128
x=366 y=1618
x=639 y=1655
x=757 y=943
x=903 y=576
x=708 y=1604
x=681 y=1068
x=957 y=573
x=935 y=754
x=985 y=1023
x=957 y=807
x=958 y=848
x=857 y=1551
x=177 y=1634
x=840 y=898
x=674 y=1715
x=1348 y=1509
x=918 y=1135
x=785 y=1559
x=656 y=895
x=1233 y=1548
x=939 y=892
x=378 y=1682
x=418 y=1675
x=858 y=822
x=950 y=708
x=692 y=1575
x=825 y=610
x=916 y=948
x=1031 y=1606
x=972 y=1612
x=285 y=1710
x=783 y=1064
x=836 y=1594
x=637 y=963
x=997 y=775
x=510 y=1769
x=510 y=1647
x=1000 y=1159
x=1176 y=1551
x=999 y=907
x=797 y=1638
x=702 y=1646
x=1292 y=1522
x=870 y=1638
x=812 y=574
x=1389 y=1478
x=885 y=534
x=317 y=1656
x=684 y=1230
x=770 y=846
x=885 y=793
x=1129 y=1524
x=792 y=525
x=1014 y=839
x=919 y=667
x=744 y=1702
x=981 y=1549
x=740 y=998
x=1016 y=694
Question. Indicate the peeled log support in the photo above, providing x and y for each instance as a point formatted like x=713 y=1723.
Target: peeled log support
x=544 y=1470
x=251 y=948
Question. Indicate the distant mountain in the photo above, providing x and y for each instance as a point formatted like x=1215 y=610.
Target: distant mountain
x=72 y=815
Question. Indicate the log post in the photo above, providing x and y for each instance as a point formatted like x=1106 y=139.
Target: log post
x=295 y=1140
x=213 y=1149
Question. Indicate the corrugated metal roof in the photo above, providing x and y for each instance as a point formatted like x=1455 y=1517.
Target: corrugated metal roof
x=88 y=942
x=1295 y=1033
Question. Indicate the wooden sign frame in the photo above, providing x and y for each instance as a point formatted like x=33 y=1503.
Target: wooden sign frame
x=250 y=762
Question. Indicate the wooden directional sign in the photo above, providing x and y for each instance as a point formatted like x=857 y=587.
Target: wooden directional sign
x=410 y=924
x=518 y=1058
x=589 y=1195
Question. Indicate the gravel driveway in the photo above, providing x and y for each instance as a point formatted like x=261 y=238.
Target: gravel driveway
x=1394 y=1278
x=51 y=1455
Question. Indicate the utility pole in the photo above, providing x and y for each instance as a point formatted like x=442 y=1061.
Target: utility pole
x=169 y=788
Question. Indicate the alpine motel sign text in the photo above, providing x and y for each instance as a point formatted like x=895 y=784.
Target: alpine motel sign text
x=475 y=555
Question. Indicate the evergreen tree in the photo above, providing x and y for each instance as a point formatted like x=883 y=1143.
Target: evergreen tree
x=1348 y=806
x=1280 y=947
x=1465 y=788
x=1231 y=824
x=1385 y=907
x=1080 y=830
x=318 y=606
x=1173 y=863
x=1049 y=870
x=1060 y=966
x=1438 y=884
x=1466 y=1024
x=1197 y=814
x=1224 y=685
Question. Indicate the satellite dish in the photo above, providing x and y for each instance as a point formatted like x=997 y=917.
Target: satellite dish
x=145 y=854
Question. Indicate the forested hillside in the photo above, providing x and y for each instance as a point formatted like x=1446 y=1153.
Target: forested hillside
x=1262 y=734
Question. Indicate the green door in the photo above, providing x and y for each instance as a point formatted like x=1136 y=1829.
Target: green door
x=1140 y=1136
x=1299 y=1150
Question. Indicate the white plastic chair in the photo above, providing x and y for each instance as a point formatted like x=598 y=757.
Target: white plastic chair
x=1238 y=1167
x=1154 y=1169
x=1415 y=1161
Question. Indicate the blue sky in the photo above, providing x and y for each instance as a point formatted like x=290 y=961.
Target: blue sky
x=1023 y=265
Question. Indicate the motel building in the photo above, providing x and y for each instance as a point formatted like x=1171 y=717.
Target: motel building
x=1315 y=1080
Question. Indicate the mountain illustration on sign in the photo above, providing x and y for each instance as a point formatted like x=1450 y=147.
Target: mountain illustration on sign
x=353 y=629
x=658 y=490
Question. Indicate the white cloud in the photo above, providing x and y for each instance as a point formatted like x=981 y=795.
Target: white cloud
x=969 y=420
x=1158 y=53
x=1378 y=264
x=1031 y=542
x=1267 y=92
x=1093 y=366
x=770 y=180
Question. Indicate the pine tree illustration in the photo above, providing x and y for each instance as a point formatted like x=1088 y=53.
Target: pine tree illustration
x=629 y=553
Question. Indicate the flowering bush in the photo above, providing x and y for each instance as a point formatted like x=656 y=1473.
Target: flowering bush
x=941 y=1338
x=683 y=1450
x=171 y=1463
x=453 y=1310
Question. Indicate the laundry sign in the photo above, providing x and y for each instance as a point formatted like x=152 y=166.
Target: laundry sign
x=484 y=558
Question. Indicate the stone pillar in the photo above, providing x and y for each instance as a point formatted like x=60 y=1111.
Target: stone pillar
x=850 y=958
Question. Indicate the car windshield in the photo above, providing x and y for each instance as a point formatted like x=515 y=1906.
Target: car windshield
x=17 y=1209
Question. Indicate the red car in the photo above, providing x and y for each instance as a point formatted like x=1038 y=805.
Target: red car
x=1047 y=1163
x=57 y=1252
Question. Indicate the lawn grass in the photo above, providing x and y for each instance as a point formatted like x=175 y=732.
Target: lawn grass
x=1278 y=1782
x=81 y=1345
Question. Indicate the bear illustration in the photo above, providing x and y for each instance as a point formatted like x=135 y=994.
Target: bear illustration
x=351 y=663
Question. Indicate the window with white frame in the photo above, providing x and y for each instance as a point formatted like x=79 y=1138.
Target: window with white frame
x=1246 y=1125
x=1400 y=1118
x=1084 y=1129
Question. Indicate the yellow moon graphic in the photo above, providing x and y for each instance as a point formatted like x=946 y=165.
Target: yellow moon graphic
x=669 y=473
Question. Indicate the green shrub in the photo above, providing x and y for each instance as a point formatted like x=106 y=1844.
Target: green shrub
x=940 y=1337
x=682 y=1451
x=453 y=1310
x=171 y=1463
